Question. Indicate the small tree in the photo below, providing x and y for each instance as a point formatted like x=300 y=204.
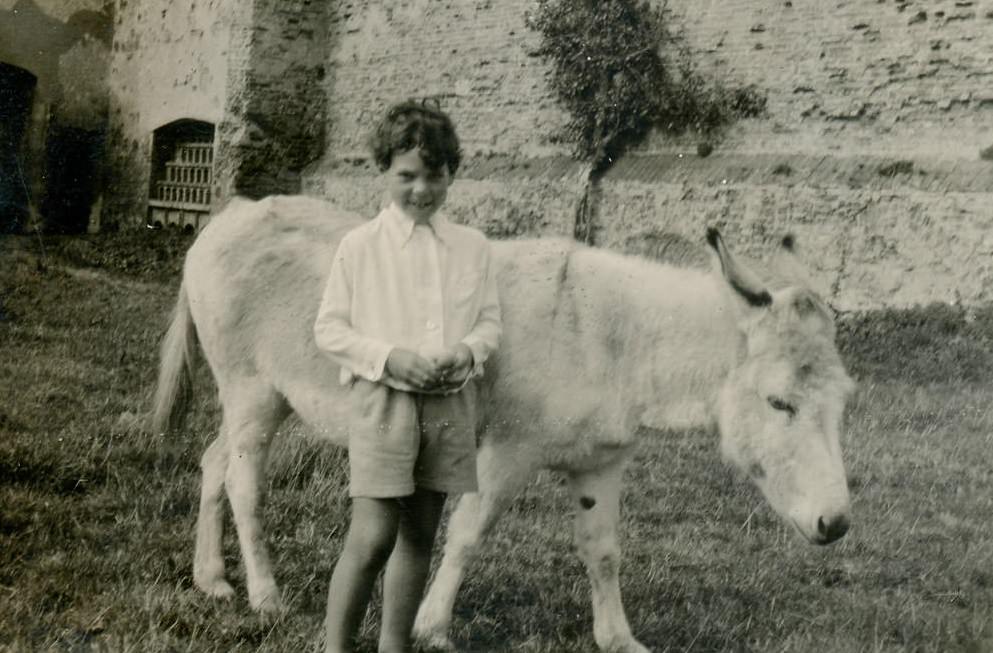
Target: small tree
x=606 y=70
x=609 y=73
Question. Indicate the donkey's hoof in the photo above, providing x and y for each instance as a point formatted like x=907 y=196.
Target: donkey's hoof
x=435 y=643
x=626 y=646
x=267 y=603
x=217 y=588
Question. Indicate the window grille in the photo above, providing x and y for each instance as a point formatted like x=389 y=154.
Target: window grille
x=182 y=175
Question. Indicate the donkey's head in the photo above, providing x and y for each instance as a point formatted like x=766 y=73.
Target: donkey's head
x=780 y=410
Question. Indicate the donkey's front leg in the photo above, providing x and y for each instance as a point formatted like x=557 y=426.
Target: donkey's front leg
x=596 y=496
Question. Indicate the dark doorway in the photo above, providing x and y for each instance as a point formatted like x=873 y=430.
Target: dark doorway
x=16 y=94
x=73 y=160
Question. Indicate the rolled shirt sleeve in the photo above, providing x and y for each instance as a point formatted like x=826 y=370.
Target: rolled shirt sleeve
x=356 y=353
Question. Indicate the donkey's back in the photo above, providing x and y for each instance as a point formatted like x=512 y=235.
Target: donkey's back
x=254 y=279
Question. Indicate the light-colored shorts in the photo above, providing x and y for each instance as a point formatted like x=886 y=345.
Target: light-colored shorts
x=401 y=440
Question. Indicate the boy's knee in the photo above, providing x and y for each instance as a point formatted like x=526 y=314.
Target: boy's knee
x=371 y=554
x=371 y=543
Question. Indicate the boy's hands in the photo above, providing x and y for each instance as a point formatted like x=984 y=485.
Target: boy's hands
x=454 y=366
x=414 y=370
x=444 y=371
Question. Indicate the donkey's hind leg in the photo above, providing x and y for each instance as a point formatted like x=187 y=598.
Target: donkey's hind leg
x=502 y=470
x=251 y=416
x=208 y=561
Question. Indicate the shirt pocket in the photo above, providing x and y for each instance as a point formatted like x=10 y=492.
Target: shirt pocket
x=466 y=287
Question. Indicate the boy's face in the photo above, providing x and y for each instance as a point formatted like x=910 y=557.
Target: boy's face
x=418 y=190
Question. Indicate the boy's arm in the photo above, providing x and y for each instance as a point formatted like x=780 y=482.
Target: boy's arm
x=333 y=332
x=484 y=337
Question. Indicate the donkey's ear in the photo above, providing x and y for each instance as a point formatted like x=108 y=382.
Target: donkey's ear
x=742 y=280
x=807 y=306
x=786 y=263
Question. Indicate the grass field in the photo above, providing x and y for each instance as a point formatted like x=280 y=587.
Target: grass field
x=97 y=516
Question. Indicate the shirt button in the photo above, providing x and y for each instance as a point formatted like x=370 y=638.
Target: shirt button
x=431 y=325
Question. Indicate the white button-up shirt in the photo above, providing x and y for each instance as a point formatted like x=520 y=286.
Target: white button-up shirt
x=419 y=287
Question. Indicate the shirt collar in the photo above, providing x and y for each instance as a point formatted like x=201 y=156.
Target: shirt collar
x=403 y=225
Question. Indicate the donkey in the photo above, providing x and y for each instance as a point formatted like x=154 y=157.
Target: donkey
x=592 y=340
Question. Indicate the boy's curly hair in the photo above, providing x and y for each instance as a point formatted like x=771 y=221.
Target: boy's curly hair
x=417 y=124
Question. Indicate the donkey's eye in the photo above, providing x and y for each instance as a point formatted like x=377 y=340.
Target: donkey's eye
x=782 y=405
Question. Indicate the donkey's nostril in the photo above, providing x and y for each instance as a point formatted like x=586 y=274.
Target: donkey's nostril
x=833 y=528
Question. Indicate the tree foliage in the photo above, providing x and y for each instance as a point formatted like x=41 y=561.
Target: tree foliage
x=609 y=72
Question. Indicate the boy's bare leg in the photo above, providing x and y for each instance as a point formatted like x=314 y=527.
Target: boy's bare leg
x=371 y=536
x=408 y=567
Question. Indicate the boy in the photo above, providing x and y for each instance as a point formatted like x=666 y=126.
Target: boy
x=410 y=313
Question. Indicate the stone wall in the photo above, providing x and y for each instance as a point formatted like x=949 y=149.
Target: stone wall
x=502 y=196
x=276 y=111
x=908 y=79
x=477 y=59
x=870 y=152
x=921 y=235
x=472 y=55
x=66 y=47
x=35 y=34
x=896 y=78
x=171 y=61
x=252 y=69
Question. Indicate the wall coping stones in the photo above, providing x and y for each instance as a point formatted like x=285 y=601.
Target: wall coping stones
x=856 y=173
x=863 y=172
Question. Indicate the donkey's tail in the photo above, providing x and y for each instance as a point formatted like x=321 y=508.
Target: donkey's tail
x=177 y=355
